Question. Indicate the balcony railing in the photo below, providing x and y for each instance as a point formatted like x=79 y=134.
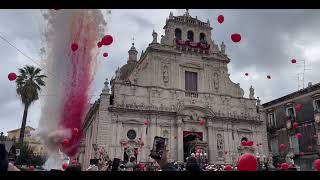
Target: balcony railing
x=191 y=94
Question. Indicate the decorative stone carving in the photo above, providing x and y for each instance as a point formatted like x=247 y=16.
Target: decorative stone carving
x=155 y=37
x=251 y=95
x=216 y=80
x=223 y=48
x=165 y=74
x=219 y=142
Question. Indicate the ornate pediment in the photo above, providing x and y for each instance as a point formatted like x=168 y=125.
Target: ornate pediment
x=192 y=65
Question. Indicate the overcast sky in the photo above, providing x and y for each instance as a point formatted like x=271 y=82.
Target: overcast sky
x=270 y=39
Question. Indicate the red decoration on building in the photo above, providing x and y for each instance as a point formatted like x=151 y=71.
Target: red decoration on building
x=220 y=19
x=247 y=162
x=228 y=167
x=74 y=47
x=236 y=37
x=282 y=147
x=298 y=135
x=12 y=76
x=295 y=125
x=284 y=166
x=316 y=164
x=298 y=107
x=107 y=40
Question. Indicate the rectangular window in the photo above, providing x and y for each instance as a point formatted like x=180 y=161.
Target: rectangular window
x=272 y=120
x=291 y=113
x=294 y=144
x=191 y=81
x=317 y=105
x=274 y=146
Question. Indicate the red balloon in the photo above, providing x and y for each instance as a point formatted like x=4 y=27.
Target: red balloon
x=105 y=54
x=247 y=162
x=99 y=44
x=65 y=142
x=298 y=107
x=228 y=167
x=220 y=19
x=202 y=122
x=74 y=47
x=249 y=143
x=236 y=37
x=74 y=162
x=293 y=61
x=284 y=166
x=282 y=146
x=244 y=143
x=247 y=74
x=107 y=40
x=12 y=76
x=269 y=77
x=298 y=135
x=316 y=164
x=295 y=125
x=64 y=166
x=301 y=153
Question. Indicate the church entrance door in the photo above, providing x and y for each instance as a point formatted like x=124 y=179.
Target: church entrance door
x=188 y=145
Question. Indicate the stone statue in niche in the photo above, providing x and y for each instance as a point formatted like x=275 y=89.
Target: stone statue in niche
x=223 y=48
x=216 y=80
x=251 y=95
x=165 y=74
x=219 y=142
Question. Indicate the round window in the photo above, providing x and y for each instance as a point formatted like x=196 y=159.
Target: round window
x=131 y=134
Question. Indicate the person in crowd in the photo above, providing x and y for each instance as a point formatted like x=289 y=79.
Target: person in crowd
x=192 y=165
x=74 y=167
x=4 y=162
x=163 y=162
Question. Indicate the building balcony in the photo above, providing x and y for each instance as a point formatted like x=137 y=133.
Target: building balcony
x=191 y=94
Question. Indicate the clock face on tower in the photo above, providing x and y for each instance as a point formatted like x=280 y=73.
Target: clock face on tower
x=131 y=134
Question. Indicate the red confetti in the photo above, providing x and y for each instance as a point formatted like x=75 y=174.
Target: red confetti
x=282 y=147
x=228 y=168
x=105 y=54
x=244 y=143
x=12 y=76
x=284 y=166
x=74 y=162
x=74 y=47
x=99 y=44
x=295 y=125
x=107 y=40
x=269 y=77
x=298 y=107
x=220 y=19
x=175 y=137
x=202 y=122
x=146 y=122
x=247 y=74
x=249 y=143
x=236 y=37
x=225 y=152
x=64 y=166
x=257 y=144
x=293 y=61
x=301 y=153
x=316 y=164
x=65 y=142
x=298 y=135
x=247 y=162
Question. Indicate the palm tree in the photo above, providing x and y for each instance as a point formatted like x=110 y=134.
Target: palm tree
x=29 y=82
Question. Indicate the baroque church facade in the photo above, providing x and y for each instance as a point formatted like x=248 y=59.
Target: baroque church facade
x=179 y=89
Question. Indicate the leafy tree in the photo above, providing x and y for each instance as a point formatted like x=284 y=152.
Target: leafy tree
x=27 y=156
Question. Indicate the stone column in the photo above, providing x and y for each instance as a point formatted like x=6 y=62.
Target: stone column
x=180 y=139
x=211 y=141
x=143 y=149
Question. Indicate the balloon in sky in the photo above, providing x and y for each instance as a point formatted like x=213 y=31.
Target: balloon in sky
x=293 y=61
x=74 y=47
x=220 y=19
x=105 y=54
x=236 y=37
x=12 y=76
x=107 y=40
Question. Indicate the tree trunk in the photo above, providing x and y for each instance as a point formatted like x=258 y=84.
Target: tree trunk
x=23 y=125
